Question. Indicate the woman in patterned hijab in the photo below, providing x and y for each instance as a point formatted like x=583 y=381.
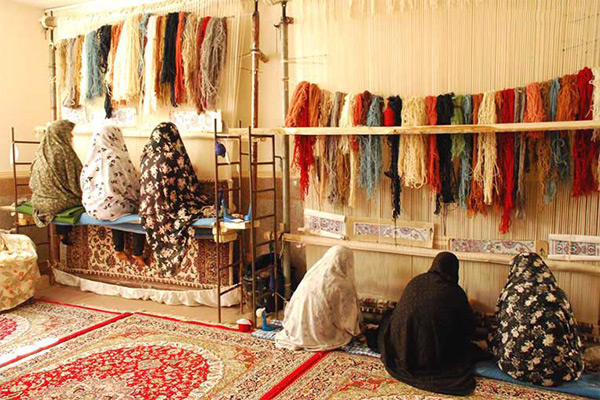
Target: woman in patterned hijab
x=170 y=198
x=536 y=338
x=111 y=186
x=55 y=170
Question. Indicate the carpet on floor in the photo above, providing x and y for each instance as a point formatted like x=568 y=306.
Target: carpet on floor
x=343 y=376
x=144 y=356
x=39 y=324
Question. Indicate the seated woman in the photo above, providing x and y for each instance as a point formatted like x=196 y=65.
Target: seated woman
x=111 y=187
x=425 y=341
x=54 y=180
x=323 y=313
x=170 y=197
x=536 y=338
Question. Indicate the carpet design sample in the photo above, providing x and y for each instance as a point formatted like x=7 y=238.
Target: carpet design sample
x=342 y=376
x=92 y=253
x=35 y=325
x=143 y=356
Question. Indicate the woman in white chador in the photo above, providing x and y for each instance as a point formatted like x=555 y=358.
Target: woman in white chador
x=111 y=186
x=323 y=313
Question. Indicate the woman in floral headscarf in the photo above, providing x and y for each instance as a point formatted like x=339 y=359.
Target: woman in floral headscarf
x=55 y=170
x=536 y=338
x=170 y=198
x=111 y=186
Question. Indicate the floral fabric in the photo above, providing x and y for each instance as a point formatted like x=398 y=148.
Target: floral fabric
x=170 y=197
x=55 y=174
x=536 y=337
x=109 y=181
x=18 y=270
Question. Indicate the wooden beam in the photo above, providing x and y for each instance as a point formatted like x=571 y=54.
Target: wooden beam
x=499 y=259
x=432 y=129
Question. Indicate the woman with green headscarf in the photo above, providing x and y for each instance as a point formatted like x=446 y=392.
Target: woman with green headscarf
x=55 y=174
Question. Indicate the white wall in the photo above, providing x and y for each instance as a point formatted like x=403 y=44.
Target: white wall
x=24 y=85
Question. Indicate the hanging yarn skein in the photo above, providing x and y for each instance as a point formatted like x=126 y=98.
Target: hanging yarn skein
x=126 y=78
x=202 y=25
x=556 y=145
x=150 y=100
x=506 y=150
x=336 y=109
x=466 y=157
x=393 y=117
x=94 y=84
x=189 y=56
x=585 y=151
x=212 y=60
x=169 y=70
x=298 y=116
x=348 y=163
x=179 y=72
x=447 y=188
x=596 y=117
x=412 y=158
x=475 y=203
x=370 y=149
x=487 y=169
x=433 y=159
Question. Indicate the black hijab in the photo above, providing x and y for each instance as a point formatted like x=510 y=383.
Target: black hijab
x=426 y=342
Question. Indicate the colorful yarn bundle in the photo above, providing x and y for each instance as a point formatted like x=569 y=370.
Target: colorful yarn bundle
x=596 y=117
x=412 y=158
x=370 y=149
x=585 y=151
x=393 y=117
x=298 y=116
x=447 y=182
x=486 y=168
x=93 y=77
x=126 y=78
x=169 y=70
x=506 y=150
x=212 y=60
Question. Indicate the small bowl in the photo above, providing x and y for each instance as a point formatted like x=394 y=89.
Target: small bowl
x=244 y=325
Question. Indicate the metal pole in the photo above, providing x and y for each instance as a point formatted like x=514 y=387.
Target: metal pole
x=52 y=67
x=217 y=226
x=287 y=269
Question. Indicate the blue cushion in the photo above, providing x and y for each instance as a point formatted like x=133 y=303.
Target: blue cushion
x=588 y=385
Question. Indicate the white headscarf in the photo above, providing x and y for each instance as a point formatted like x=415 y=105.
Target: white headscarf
x=323 y=313
x=109 y=182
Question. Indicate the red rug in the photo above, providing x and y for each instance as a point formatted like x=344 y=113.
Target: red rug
x=343 y=376
x=148 y=357
x=37 y=325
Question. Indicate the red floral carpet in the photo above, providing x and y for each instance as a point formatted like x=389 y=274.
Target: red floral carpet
x=148 y=357
x=36 y=325
x=342 y=376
